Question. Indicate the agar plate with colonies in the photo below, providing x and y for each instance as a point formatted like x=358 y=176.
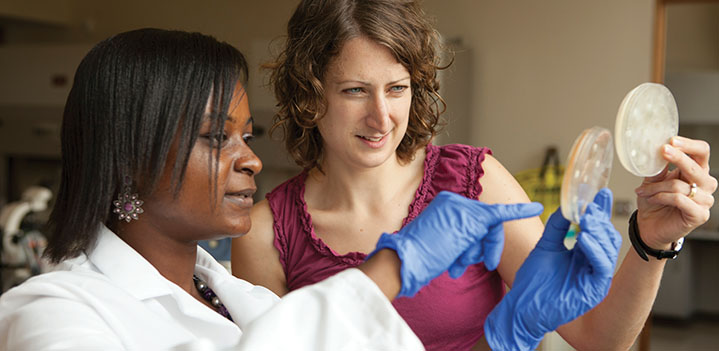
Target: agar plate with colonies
x=588 y=168
x=647 y=119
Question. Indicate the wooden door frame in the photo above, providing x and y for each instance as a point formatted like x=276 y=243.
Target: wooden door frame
x=660 y=35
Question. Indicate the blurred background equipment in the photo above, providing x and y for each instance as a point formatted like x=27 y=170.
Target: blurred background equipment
x=544 y=184
x=22 y=241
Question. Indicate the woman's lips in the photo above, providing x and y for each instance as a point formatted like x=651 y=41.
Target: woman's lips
x=242 y=198
x=374 y=142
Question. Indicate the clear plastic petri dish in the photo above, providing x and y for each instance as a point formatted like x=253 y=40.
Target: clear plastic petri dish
x=647 y=119
x=589 y=166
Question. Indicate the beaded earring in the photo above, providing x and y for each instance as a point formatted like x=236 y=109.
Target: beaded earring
x=127 y=205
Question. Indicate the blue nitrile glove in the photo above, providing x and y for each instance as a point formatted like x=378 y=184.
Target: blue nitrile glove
x=450 y=225
x=555 y=285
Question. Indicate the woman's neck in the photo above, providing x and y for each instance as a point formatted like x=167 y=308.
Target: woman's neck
x=174 y=260
x=353 y=187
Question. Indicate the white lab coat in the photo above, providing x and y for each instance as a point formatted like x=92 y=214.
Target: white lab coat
x=113 y=299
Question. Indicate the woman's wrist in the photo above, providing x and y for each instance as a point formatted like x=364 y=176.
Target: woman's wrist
x=644 y=250
x=650 y=240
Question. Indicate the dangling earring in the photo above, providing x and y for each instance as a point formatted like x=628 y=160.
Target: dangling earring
x=127 y=205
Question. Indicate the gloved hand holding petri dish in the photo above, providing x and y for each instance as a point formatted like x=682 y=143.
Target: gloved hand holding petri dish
x=647 y=119
x=588 y=168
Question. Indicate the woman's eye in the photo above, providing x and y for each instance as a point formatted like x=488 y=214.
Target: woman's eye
x=216 y=140
x=398 y=88
x=353 y=90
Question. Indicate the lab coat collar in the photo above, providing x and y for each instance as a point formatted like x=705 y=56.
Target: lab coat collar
x=138 y=277
x=126 y=267
x=128 y=270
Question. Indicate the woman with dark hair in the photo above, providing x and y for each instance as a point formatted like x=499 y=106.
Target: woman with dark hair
x=156 y=158
x=358 y=102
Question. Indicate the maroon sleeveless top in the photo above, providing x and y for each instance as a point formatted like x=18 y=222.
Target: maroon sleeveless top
x=447 y=314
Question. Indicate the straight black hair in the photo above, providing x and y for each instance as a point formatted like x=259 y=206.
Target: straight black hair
x=136 y=96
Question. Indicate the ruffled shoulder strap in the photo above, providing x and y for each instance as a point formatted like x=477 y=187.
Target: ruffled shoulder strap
x=288 y=212
x=455 y=167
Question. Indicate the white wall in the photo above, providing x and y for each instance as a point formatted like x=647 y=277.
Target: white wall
x=544 y=71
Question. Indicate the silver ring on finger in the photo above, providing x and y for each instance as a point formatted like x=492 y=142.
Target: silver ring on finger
x=692 y=190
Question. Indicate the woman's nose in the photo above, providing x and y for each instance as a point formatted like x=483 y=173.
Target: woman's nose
x=378 y=118
x=248 y=162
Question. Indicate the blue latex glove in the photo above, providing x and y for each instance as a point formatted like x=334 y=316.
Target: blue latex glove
x=441 y=235
x=555 y=285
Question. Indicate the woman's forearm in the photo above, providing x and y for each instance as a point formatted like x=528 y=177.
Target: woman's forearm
x=616 y=322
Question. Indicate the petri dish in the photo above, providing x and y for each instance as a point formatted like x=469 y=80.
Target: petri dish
x=647 y=119
x=588 y=168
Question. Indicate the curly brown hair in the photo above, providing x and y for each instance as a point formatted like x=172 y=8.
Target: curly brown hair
x=316 y=33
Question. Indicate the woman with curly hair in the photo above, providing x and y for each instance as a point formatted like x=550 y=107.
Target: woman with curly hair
x=358 y=102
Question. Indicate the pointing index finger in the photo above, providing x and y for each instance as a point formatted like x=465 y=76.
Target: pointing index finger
x=510 y=212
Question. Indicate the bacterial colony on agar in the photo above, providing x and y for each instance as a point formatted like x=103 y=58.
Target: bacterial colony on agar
x=647 y=119
x=588 y=168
